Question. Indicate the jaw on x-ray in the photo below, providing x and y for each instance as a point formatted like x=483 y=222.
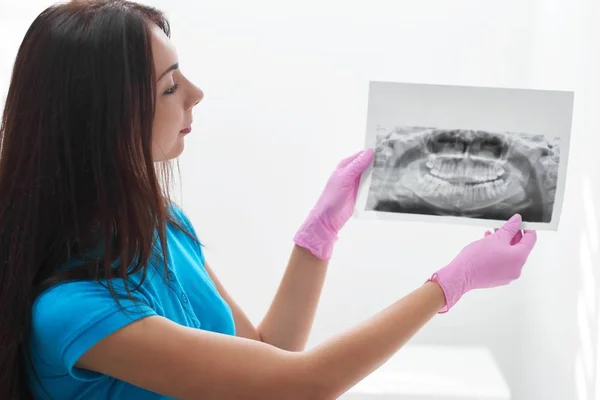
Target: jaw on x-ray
x=465 y=173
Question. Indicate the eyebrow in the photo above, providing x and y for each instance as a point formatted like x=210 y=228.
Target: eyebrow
x=171 y=68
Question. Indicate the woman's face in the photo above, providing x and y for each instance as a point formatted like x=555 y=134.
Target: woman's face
x=175 y=98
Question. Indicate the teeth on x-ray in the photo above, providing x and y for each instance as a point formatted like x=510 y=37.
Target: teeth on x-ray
x=462 y=172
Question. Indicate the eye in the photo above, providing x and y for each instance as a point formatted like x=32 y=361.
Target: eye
x=172 y=90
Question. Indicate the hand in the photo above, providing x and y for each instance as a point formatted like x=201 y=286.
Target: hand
x=495 y=260
x=334 y=207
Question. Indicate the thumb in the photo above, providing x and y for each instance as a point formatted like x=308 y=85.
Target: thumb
x=346 y=161
x=358 y=165
x=510 y=228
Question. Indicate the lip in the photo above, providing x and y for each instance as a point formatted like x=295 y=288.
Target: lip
x=186 y=130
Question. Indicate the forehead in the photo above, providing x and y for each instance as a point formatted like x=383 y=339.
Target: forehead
x=163 y=50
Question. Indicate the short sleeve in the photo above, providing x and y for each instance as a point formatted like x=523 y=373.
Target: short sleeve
x=69 y=319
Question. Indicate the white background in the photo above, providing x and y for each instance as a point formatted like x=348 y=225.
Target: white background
x=286 y=86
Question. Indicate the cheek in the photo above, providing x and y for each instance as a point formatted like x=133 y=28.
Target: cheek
x=164 y=140
x=166 y=124
x=165 y=131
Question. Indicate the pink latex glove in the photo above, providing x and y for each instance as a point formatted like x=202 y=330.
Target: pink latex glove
x=335 y=206
x=495 y=260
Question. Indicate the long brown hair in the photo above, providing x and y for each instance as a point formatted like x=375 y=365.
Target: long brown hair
x=76 y=164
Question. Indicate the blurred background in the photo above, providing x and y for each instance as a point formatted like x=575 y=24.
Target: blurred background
x=286 y=90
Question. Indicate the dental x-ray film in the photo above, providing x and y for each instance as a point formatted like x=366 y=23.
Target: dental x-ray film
x=466 y=155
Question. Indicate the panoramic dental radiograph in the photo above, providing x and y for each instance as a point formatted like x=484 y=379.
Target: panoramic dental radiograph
x=465 y=173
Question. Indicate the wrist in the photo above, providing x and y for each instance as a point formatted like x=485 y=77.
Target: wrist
x=316 y=237
x=306 y=257
x=452 y=283
x=437 y=292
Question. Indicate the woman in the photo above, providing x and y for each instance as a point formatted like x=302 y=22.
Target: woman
x=104 y=289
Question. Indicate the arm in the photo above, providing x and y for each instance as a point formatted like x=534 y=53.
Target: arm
x=161 y=356
x=288 y=321
x=290 y=317
x=164 y=357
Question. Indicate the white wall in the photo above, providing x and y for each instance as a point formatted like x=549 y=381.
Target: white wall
x=286 y=97
x=560 y=349
x=281 y=82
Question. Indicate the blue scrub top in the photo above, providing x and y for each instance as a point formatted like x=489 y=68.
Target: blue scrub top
x=70 y=318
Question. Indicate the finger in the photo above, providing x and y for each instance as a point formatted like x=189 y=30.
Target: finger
x=360 y=163
x=510 y=228
x=528 y=240
x=487 y=233
x=355 y=188
x=516 y=239
x=346 y=161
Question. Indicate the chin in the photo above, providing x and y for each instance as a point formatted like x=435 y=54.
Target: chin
x=175 y=151
x=178 y=149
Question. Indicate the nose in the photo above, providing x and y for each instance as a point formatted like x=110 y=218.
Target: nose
x=197 y=95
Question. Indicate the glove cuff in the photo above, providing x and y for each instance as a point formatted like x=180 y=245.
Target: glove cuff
x=451 y=285
x=317 y=239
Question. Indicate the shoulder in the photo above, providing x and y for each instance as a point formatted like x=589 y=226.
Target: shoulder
x=179 y=215
x=71 y=317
